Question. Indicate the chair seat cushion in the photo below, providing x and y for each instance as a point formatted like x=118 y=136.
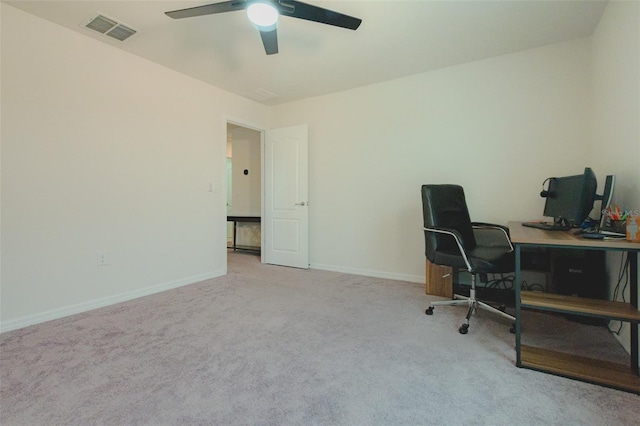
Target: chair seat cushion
x=483 y=259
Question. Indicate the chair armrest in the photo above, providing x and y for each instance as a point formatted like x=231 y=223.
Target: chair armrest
x=458 y=238
x=490 y=225
x=503 y=230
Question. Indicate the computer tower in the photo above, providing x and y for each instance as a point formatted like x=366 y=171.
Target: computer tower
x=580 y=273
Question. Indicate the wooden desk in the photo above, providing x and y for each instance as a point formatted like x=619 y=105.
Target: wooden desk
x=573 y=366
x=242 y=219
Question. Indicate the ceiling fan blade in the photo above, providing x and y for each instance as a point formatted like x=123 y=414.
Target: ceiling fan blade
x=208 y=9
x=297 y=9
x=270 y=41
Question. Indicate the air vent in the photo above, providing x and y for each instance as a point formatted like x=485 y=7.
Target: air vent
x=110 y=27
x=101 y=24
x=121 y=32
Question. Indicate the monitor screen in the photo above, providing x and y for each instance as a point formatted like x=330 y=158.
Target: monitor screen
x=570 y=198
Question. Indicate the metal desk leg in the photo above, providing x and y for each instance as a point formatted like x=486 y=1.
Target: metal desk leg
x=518 y=308
x=633 y=279
x=234 y=234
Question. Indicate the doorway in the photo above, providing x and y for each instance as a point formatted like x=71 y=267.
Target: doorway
x=244 y=189
x=267 y=187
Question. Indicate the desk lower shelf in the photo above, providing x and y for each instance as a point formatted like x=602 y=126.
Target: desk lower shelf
x=575 y=366
x=581 y=368
x=579 y=305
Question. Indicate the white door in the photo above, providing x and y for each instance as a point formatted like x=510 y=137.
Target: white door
x=286 y=198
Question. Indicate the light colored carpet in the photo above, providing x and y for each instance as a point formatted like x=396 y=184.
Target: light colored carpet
x=267 y=345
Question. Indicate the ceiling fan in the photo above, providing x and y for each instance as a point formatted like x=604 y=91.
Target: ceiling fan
x=264 y=15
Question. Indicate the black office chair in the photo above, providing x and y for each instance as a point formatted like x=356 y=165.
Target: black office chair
x=451 y=239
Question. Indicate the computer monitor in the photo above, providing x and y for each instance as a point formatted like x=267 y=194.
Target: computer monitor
x=606 y=197
x=570 y=198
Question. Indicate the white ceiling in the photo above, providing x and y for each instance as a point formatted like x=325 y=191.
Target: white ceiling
x=397 y=38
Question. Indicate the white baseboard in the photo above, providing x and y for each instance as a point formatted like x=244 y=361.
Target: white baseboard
x=370 y=273
x=102 y=302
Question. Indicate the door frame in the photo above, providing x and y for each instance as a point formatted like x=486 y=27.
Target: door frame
x=258 y=128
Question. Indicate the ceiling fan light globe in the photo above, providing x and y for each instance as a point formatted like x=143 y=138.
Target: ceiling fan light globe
x=263 y=15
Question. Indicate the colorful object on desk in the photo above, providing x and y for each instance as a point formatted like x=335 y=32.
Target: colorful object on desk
x=615 y=213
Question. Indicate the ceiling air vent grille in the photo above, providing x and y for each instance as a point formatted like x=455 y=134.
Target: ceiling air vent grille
x=110 y=27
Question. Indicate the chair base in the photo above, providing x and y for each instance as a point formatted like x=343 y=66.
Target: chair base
x=472 y=304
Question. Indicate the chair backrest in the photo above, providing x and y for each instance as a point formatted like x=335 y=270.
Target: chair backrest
x=444 y=206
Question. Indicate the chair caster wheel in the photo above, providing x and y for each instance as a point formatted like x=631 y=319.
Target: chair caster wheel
x=464 y=329
x=429 y=310
x=512 y=329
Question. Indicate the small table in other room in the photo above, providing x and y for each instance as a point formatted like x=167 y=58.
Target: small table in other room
x=242 y=219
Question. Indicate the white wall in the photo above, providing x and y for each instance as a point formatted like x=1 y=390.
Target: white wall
x=616 y=113
x=105 y=152
x=616 y=106
x=246 y=156
x=499 y=127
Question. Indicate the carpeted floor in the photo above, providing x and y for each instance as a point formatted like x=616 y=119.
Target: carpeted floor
x=268 y=345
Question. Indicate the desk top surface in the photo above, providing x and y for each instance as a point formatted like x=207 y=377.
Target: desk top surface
x=525 y=235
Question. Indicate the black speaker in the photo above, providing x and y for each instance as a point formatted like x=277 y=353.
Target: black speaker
x=581 y=273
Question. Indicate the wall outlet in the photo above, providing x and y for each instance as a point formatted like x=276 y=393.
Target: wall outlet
x=101 y=258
